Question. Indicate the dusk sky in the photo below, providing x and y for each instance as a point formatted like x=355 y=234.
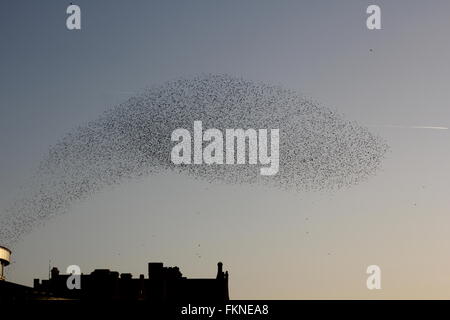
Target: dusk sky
x=276 y=244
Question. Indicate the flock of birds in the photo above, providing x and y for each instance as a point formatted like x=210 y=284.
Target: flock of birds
x=319 y=149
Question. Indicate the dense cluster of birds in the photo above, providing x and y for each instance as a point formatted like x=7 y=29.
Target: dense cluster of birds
x=319 y=149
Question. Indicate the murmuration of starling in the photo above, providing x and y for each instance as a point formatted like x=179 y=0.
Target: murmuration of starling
x=319 y=149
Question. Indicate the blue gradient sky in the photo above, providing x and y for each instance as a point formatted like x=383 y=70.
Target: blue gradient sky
x=275 y=244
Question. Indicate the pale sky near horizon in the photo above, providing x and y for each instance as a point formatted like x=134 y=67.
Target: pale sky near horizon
x=276 y=244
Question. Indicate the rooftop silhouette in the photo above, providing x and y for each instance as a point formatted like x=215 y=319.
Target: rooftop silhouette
x=163 y=284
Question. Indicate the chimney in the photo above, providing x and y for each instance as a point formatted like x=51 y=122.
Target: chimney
x=54 y=273
x=219 y=270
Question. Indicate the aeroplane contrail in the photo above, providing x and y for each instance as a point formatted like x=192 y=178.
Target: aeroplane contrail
x=408 y=127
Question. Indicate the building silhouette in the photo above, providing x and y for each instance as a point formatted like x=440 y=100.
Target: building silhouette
x=162 y=285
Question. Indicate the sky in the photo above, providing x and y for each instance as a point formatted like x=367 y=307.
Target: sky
x=275 y=244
